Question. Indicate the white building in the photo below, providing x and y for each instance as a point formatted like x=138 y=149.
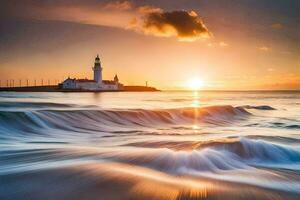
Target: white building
x=97 y=84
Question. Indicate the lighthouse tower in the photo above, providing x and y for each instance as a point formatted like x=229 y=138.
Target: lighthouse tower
x=97 y=70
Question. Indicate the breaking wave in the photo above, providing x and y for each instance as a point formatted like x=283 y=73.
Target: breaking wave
x=103 y=120
x=215 y=156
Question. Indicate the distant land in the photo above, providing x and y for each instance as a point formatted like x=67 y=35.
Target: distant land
x=97 y=84
x=56 y=88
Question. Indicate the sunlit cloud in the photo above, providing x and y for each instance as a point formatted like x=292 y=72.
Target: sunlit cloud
x=264 y=48
x=145 y=19
x=223 y=44
x=210 y=44
x=220 y=44
x=119 y=5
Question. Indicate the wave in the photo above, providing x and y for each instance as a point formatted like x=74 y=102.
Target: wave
x=213 y=157
x=285 y=125
x=237 y=160
x=259 y=151
x=263 y=107
x=109 y=120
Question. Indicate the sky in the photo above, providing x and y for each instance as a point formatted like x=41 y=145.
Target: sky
x=226 y=44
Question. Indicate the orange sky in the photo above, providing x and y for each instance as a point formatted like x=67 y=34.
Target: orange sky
x=152 y=41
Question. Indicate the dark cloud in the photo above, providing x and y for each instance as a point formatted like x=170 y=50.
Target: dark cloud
x=185 y=25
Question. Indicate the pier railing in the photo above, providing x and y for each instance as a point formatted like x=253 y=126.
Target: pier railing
x=11 y=83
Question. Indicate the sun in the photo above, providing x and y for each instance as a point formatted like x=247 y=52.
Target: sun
x=195 y=84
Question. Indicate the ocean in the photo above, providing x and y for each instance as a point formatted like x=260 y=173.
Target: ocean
x=152 y=145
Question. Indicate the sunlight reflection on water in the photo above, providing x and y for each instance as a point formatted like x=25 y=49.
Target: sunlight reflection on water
x=160 y=145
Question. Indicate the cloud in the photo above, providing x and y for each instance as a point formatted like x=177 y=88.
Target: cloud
x=187 y=26
x=145 y=19
x=223 y=44
x=264 y=48
x=119 y=5
x=220 y=44
x=148 y=9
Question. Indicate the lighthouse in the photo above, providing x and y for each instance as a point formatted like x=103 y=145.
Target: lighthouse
x=97 y=70
x=96 y=84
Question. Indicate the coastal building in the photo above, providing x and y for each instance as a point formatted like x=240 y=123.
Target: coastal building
x=96 y=84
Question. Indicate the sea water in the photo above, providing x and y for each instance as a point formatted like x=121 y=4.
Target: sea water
x=152 y=145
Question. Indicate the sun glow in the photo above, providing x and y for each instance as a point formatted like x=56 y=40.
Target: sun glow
x=195 y=84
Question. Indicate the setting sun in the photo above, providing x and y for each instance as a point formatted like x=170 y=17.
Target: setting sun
x=195 y=84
